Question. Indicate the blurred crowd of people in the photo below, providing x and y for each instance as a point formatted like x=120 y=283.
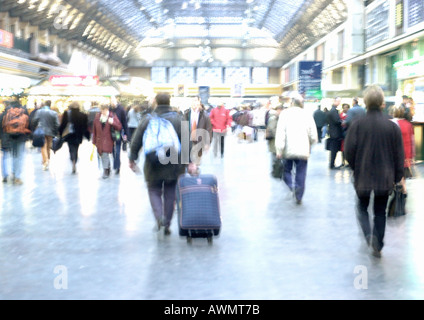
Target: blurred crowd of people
x=369 y=140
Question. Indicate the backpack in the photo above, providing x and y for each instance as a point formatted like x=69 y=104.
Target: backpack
x=160 y=140
x=16 y=122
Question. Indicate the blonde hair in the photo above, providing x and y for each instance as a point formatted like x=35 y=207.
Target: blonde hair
x=373 y=97
x=74 y=105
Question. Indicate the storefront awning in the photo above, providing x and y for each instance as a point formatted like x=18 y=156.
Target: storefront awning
x=101 y=91
x=11 y=84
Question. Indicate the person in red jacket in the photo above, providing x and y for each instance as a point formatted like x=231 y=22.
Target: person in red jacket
x=221 y=120
x=102 y=136
x=408 y=138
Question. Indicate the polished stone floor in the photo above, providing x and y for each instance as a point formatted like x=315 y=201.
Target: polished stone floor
x=65 y=236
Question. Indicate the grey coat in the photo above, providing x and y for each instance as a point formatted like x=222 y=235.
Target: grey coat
x=48 y=120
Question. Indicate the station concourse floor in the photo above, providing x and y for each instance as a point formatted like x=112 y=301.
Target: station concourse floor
x=79 y=237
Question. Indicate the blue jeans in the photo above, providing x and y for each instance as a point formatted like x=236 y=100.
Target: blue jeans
x=4 y=162
x=117 y=155
x=16 y=152
x=295 y=180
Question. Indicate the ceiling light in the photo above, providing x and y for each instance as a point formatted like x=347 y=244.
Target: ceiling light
x=184 y=5
x=143 y=8
x=158 y=1
x=197 y=6
x=249 y=1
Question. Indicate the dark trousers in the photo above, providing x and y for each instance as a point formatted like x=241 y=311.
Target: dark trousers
x=163 y=208
x=295 y=175
x=319 y=130
x=334 y=146
x=117 y=155
x=380 y=204
x=73 y=151
x=131 y=133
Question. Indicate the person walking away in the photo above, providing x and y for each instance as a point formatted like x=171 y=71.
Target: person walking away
x=119 y=111
x=221 y=121
x=49 y=121
x=296 y=133
x=343 y=116
x=408 y=139
x=133 y=120
x=407 y=104
x=79 y=121
x=102 y=136
x=14 y=132
x=320 y=121
x=92 y=113
x=198 y=119
x=161 y=179
x=354 y=113
x=335 y=132
x=271 y=129
x=374 y=151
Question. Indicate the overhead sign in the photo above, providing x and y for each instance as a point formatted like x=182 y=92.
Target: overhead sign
x=310 y=76
x=81 y=81
x=6 y=39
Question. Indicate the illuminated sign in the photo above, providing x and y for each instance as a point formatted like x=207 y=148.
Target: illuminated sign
x=410 y=68
x=310 y=77
x=82 y=81
x=6 y=39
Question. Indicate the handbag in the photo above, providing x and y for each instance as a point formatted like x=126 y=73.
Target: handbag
x=397 y=203
x=57 y=144
x=116 y=134
x=38 y=138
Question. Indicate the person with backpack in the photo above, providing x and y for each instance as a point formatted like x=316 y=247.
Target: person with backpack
x=103 y=124
x=14 y=132
x=162 y=127
x=49 y=121
x=79 y=122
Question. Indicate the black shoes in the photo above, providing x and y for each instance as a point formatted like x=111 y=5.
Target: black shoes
x=159 y=225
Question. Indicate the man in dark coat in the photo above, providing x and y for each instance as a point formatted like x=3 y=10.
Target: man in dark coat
x=320 y=121
x=374 y=150
x=161 y=179
x=79 y=121
x=120 y=112
x=335 y=132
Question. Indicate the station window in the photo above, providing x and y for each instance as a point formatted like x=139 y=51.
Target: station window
x=337 y=76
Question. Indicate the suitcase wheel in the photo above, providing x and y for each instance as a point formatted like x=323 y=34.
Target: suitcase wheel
x=210 y=240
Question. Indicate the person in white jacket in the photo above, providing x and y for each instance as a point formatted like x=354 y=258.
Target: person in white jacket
x=296 y=133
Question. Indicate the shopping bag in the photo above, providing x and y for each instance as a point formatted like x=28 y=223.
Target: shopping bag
x=397 y=203
x=92 y=153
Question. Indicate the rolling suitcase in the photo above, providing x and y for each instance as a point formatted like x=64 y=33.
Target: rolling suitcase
x=198 y=207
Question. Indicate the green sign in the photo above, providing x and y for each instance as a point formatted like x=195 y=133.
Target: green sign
x=410 y=68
